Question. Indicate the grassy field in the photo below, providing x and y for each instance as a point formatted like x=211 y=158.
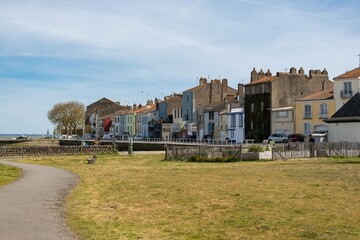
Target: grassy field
x=8 y=174
x=144 y=197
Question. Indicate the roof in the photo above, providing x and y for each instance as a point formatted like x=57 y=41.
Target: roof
x=350 y=74
x=213 y=107
x=321 y=95
x=349 y=112
x=207 y=84
x=263 y=80
x=281 y=109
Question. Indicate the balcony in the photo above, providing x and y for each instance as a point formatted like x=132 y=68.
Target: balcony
x=323 y=116
x=307 y=115
x=346 y=93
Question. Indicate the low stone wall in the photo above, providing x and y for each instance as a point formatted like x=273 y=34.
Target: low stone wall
x=4 y=142
x=141 y=146
x=121 y=145
x=54 y=150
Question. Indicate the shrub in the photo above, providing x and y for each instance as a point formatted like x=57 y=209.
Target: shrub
x=255 y=148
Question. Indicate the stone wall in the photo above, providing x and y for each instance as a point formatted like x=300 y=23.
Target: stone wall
x=121 y=145
x=53 y=150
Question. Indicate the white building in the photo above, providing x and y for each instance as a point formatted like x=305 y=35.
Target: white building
x=236 y=125
x=345 y=86
x=344 y=125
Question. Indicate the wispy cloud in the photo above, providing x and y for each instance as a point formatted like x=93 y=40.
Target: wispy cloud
x=55 y=50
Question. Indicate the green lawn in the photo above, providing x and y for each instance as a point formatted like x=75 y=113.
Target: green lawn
x=144 y=197
x=8 y=174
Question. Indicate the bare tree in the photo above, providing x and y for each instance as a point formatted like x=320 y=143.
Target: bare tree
x=67 y=117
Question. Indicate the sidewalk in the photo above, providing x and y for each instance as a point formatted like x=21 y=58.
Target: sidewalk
x=33 y=206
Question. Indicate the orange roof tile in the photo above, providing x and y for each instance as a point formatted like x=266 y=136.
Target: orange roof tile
x=263 y=80
x=321 y=95
x=350 y=74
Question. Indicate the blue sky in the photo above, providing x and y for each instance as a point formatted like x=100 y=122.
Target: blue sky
x=56 y=51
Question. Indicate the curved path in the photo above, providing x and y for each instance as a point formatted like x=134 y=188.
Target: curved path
x=32 y=207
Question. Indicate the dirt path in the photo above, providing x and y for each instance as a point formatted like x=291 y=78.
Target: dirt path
x=33 y=207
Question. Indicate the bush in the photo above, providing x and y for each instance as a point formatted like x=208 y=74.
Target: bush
x=255 y=148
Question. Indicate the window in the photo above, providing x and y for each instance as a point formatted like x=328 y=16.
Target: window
x=187 y=98
x=347 y=87
x=323 y=110
x=252 y=107
x=262 y=106
x=233 y=121
x=307 y=111
x=232 y=133
x=211 y=115
x=211 y=128
x=251 y=125
x=187 y=115
x=306 y=128
x=282 y=114
x=347 y=92
x=241 y=120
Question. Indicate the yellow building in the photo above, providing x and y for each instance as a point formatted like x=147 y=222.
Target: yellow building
x=311 y=110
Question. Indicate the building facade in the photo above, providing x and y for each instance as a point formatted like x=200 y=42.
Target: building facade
x=312 y=110
x=270 y=98
x=346 y=86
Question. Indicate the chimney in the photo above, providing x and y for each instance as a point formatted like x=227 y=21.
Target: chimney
x=224 y=88
x=268 y=73
x=254 y=75
x=293 y=70
x=211 y=90
x=241 y=90
x=261 y=74
x=202 y=81
x=301 y=71
x=134 y=106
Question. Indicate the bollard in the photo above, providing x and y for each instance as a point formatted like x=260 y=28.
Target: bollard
x=130 y=149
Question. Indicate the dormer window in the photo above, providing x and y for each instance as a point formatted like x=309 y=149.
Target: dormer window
x=347 y=92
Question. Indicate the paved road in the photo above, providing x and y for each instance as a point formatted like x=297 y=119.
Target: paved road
x=32 y=207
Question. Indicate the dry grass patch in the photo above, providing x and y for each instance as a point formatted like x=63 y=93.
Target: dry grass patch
x=8 y=174
x=144 y=197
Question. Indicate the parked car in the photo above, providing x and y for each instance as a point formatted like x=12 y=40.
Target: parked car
x=22 y=137
x=107 y=136
x=278 y=138
x=137 y=137
x=207 y=138
x=296 y=137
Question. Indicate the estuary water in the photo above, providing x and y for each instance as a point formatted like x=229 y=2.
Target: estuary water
x=11 y=136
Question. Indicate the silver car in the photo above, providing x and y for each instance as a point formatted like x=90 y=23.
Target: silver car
x=278 y=138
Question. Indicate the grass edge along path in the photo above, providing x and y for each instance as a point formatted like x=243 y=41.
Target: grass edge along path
x=145 y=197
x=8 y=174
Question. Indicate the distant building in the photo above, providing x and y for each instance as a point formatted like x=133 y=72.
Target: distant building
x=346 y=86
x=236 y=125
x=99 y=116
x=344 y=125
x=200 y=96
x=312 y=110
x=269 y=98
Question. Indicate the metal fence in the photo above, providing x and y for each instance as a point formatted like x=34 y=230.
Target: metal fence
x=279 y=151
x=184 y=152
x=181 y=140
x=315 y=150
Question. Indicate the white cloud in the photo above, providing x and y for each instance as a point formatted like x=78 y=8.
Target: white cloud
x=85 y=50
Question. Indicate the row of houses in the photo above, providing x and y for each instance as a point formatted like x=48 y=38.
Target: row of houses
x=287 y=102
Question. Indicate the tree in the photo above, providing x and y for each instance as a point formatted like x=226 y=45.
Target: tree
x=67 y=117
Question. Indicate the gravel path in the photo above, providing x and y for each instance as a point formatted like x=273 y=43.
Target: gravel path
x=33 y=206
